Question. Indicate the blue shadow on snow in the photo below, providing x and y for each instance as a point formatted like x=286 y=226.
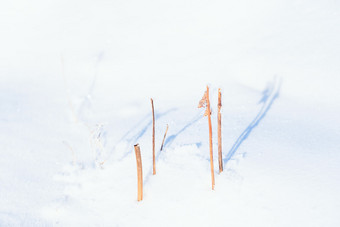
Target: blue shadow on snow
x=270 y=94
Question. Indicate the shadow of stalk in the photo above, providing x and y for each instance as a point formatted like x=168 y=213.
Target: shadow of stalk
x=172 y=137
x=134 y=138
x=169 y=141
x=270 y=94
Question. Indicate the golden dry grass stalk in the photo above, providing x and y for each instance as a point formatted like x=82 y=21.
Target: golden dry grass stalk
x=139 y=173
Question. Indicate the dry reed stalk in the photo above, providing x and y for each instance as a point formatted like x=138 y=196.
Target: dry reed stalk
x=210 y=142
x=167 y=127
x=204 y=102
x=139 y=173
x=219 y=131
x=153 y=139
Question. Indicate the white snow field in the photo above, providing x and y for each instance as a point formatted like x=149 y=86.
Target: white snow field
x=76 y=78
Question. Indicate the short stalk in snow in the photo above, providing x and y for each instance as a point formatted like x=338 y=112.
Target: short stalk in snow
x=139 y=173
x=167 y=127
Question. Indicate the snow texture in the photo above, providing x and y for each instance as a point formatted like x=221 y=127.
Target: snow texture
x=76 y=82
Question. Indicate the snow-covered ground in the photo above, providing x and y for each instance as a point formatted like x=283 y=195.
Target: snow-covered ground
x=76 y=78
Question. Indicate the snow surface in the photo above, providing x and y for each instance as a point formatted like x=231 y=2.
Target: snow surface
x=76 y=82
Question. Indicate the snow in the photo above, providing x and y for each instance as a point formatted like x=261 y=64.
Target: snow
x=76 y=82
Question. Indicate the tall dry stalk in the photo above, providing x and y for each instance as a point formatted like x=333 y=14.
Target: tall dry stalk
x=139 y=173
x=219 y=131
x=153 y=139
x=205 y=102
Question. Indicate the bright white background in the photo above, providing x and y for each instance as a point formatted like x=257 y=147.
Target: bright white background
x=99 y=62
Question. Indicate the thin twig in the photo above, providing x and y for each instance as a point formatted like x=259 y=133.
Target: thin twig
x=153 y=139
x=167 y=127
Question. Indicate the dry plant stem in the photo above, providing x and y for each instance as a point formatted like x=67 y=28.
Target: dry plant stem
x=219 y=131
x=167 y=127
x=153 y=139
x=210 y=142
x=139 y=173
